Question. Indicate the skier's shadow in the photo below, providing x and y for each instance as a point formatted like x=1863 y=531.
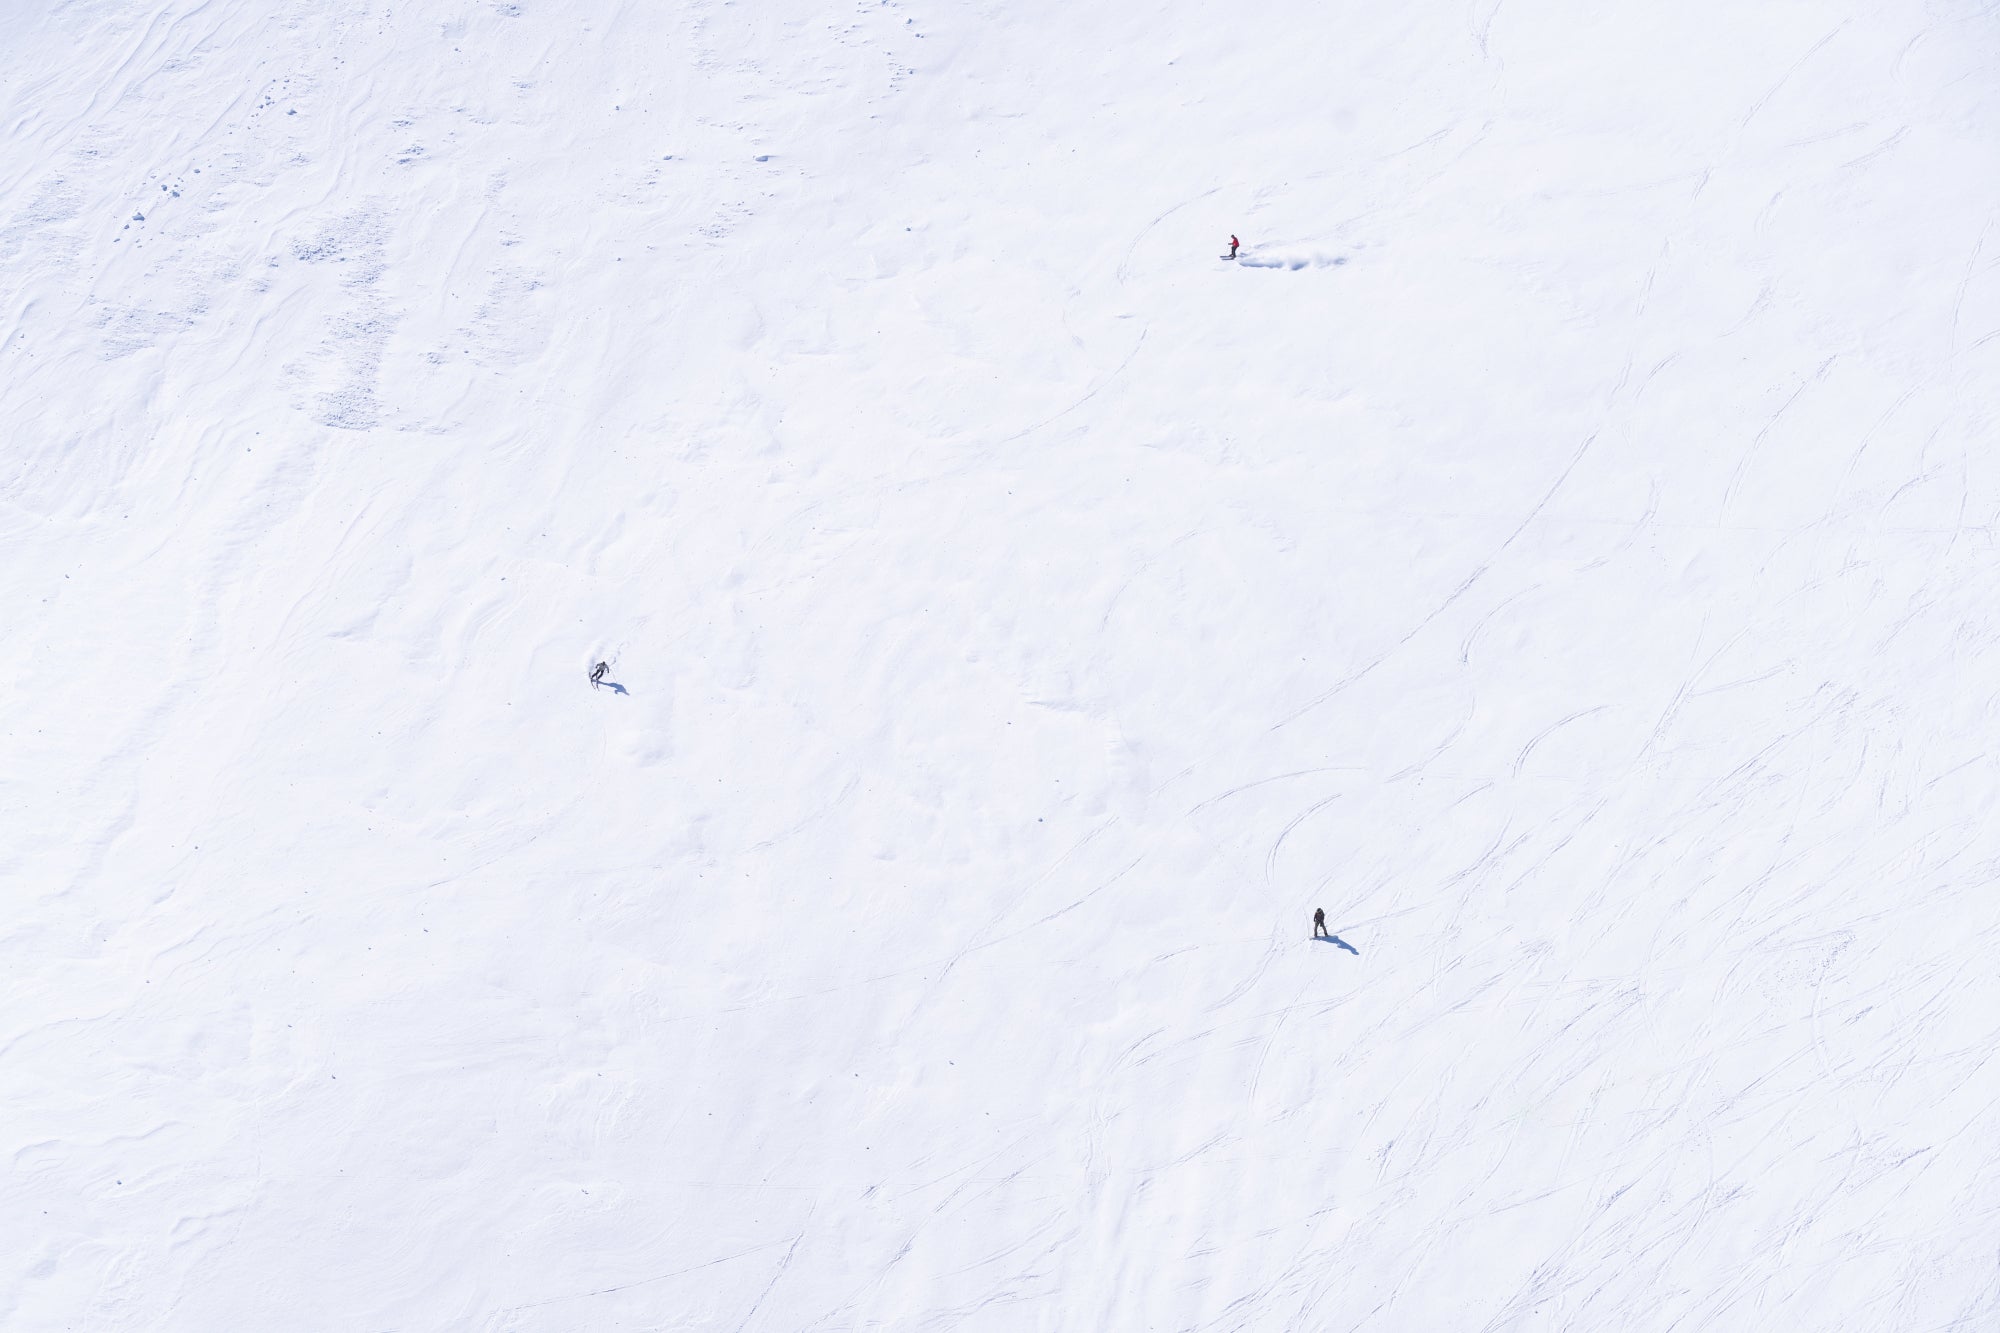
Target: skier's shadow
x=614 y=685
x=1292 y=262
x=1335 y=939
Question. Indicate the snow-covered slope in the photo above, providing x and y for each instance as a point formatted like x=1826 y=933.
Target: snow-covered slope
x=1562 y=548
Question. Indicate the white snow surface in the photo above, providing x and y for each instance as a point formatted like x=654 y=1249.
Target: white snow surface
x=1562 y=547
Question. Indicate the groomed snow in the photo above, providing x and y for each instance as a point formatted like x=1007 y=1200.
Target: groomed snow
x=1562 y=547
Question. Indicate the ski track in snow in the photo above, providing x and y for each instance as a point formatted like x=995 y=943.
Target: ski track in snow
x=1559 y=546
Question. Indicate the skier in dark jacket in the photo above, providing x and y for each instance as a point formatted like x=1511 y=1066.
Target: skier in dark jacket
x=1319 y=923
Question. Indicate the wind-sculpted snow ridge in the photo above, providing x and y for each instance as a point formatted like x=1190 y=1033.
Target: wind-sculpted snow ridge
x=1016 y=621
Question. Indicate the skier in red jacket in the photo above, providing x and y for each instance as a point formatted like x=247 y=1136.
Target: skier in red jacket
x=1233 y=243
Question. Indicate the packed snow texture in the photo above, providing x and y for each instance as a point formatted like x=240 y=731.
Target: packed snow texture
x=1562 y=547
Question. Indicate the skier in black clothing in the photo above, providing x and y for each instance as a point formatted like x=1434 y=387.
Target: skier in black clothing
x=1319 y=923
x=597 y=674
